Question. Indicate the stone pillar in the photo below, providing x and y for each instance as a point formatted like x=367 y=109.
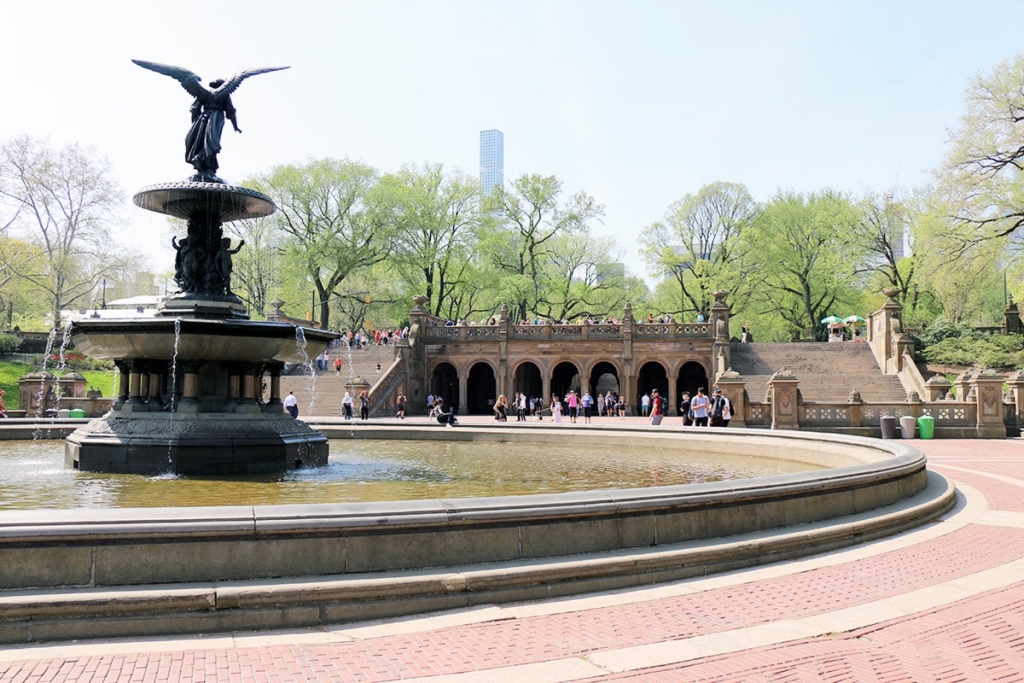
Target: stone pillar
x=627 y=384
x=135 y=392
x=962 y=384
x=1011 y=319
x=891 y=310
x=122 y=384
x=936 y=388
x=1016 y=384
x=463 y=394
x=247 y=392
x=733 y=387
x=155 y=401
x=721 y=354
x=189 y=402
x=988 y=387
x=234 y=389
x=274 y=404
x=855 y=409
x=545 y=383
x=785 y=410
x=672 y=400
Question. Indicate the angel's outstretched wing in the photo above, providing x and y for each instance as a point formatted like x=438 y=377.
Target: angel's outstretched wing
x=232 y=83
x=189 y=81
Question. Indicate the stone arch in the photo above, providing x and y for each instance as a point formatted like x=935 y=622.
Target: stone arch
x=604 y=376
x=692 y=374
x=444 y=382
x=527 y=379
x=481 y=388
x=652 y=375
x=564 y=376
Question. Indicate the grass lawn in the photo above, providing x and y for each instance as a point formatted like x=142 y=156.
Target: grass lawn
x=10 y=372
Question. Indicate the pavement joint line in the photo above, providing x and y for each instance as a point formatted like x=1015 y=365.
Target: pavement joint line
x=991 y=475
x=970 y=507
x=674 y=652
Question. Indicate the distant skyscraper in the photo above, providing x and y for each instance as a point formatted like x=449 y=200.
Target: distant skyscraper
x=492 y=159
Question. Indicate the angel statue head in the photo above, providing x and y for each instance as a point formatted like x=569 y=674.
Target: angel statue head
x=209 y=110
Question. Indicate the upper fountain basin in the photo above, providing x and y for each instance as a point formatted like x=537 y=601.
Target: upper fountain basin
x=188 y=199
x=226 y=340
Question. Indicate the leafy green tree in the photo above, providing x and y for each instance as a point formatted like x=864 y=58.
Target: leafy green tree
x=699 y=244
x=333 y=223
x=581 y=278
x=437 y=216
x=807 y=265
x=526 y=218
x=60 y=201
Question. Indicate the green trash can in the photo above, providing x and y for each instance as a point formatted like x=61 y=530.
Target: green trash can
x=926 y=427
x=77 y=412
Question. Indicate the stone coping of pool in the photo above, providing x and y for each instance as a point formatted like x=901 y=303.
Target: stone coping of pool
x=203 y=607
x=124 y=550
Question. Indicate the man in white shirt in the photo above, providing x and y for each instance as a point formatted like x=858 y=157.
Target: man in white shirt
x=645 y=404
x=291 y=404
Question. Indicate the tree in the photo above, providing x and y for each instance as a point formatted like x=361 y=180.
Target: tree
x=699 y=243
x=255 y=273
x=331 y=221
x=62 y=201
x=526 y=218
x=581 y=277
x=979 y=177
x=882 y=226
x=437 y=216
x=806 y=263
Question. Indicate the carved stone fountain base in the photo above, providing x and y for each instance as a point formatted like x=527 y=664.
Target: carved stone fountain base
x=195 y=444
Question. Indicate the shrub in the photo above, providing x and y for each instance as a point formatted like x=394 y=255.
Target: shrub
x=992 y=351
x=9 y=343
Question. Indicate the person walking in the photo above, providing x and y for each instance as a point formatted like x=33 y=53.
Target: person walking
x=657 y=409
x=291 y=404
x=699 y=406
x=346 y=405
x=588 y=402
x=684 y=408
x=600 y=404
x=520 y=407
x=364 y=406
x=645 y=404
x=574 y=405
x=400 y=407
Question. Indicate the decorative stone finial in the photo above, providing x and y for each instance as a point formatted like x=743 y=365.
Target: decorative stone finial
x=784 y=374
x=913 y=397
x=730 y=375
x=854 y=397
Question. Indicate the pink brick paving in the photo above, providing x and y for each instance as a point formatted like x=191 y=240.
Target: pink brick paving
x=973 y=640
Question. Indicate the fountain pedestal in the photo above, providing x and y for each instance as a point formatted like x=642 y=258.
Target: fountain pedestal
x=191 y=398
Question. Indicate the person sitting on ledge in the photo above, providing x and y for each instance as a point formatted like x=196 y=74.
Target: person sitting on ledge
x=445 y=418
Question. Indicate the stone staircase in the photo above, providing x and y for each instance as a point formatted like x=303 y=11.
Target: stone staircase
x=321 y=393
x=827 y=371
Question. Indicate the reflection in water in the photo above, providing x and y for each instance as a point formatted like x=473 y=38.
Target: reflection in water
x=32 y=475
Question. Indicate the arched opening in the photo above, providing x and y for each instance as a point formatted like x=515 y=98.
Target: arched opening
x=445 y=383
x=604 y=378
x=527 y=380
x=564 y=377
x=691 y=377
x=651 y=376
x=482 y=389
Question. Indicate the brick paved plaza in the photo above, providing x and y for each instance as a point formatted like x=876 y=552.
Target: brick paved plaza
x=941 y=603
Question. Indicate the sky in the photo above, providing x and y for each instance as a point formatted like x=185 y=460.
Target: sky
x=636 y=103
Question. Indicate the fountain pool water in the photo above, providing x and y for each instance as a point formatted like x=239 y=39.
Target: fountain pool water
x=33 y=475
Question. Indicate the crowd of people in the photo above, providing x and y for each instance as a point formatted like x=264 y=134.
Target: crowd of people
x=700 y=410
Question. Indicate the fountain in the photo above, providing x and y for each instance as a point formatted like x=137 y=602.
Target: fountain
x=190 y=398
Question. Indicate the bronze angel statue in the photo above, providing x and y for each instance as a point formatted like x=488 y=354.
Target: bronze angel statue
x=210 y=108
